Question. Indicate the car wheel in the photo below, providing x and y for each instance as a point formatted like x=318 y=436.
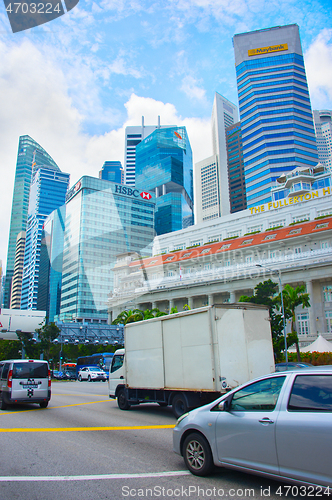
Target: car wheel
x=3 y=404
x=44 y=404
x=123 y=403
x=89 y=378
x=197 y=454
x=79 y=378
x=179 y=405
x=104 y=379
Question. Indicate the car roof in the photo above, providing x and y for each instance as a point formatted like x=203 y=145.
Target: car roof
x=23 y=361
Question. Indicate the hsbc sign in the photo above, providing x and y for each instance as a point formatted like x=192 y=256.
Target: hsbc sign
x=132 y=192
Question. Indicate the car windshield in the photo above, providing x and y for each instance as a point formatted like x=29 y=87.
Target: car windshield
x=30 y=370
x=95 y=369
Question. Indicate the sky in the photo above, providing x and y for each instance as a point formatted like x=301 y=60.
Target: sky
x=75 y=83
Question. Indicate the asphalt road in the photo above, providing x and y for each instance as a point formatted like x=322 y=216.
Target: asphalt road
x=82 y=447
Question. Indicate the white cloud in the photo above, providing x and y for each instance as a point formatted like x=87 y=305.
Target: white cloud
x=192 y=90
x=318 y=62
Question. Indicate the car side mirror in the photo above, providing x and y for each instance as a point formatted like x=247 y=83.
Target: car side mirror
x=223 y=405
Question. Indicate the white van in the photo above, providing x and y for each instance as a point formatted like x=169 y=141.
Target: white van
x=24 y=381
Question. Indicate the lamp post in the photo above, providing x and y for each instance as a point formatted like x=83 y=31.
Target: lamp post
x=278 y=273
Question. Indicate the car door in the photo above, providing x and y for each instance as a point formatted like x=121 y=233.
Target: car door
x=245 y=432
x=304 y=429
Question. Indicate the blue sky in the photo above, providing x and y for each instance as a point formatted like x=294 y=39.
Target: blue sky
x=74 y=84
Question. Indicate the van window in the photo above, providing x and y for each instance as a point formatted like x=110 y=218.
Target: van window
x=30 y=370
x=5 y=371
x=311 y=393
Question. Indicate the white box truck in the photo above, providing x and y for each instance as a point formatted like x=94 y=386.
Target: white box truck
x=190 y=358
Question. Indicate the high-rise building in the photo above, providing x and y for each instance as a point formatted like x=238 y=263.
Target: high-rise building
x=29 y=152
x=276 y=118
x=53 y=239
x=112 y=171
x=16 y=289
x=103 y=219
x=134 y=135
x=164 y=166
x=224 y=114
x=47 y=193
x=323 y=127
x=207 y=199
x=236 y=180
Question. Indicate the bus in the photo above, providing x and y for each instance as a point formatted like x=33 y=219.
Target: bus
x=101 y=360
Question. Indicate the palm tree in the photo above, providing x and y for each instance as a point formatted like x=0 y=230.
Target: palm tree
x=131 y=316
x=294 y=297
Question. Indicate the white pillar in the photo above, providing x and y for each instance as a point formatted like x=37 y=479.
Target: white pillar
x=210 y=300
x=312 y=319
x=232 y=299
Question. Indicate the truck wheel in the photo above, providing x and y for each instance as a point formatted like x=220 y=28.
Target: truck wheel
x=197 y=454
x=179 y=405
x=123 y=403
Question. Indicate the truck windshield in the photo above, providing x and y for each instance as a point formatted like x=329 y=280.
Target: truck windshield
x=30 y=370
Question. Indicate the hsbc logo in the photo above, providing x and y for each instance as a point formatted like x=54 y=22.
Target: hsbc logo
x=132 y=192
x=145 y=196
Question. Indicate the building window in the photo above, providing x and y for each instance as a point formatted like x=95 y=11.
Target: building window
x=277 y=223
x=327 y=292
x=248 y=259
x=328 y=316
x=303 y=323
x=324 y=244
x=207 y=267
x=273 y=255
x=297 y=250
x=169 y=274
x=232 y=234
x=254 y=229
x=300 y=218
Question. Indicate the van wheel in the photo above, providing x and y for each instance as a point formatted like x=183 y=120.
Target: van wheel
x=197 y=454
x=43 y=404
x=3 y=405
x=179 y=405
x=123 y=403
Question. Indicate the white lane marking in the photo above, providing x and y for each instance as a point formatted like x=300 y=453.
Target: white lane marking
x=95 y=477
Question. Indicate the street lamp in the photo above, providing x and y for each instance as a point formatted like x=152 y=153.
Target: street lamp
x=278 y=273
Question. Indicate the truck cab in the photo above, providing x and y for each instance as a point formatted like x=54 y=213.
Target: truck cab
x=117 y=373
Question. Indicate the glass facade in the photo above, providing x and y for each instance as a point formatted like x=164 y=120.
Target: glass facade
x=47 y=192
x=277 y=125
x=236 y=179
x=164 y=166
x=112 y=171
x=103 y=219
x=29 y=152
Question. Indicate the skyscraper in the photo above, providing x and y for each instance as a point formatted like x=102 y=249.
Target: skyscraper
x=112 y=171
x=275 y=111
x=134 y=135
x=164 y=166
x=103 y=219
x=224 y=114
x=236 y=180
x=16 y=288
x=323 y=127
x=29 y=152
x=47 y=193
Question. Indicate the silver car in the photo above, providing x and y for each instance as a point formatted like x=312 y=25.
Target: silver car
x=278 y=426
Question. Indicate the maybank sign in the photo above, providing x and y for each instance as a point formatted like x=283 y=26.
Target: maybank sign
x=286 y=202
x=267 y=50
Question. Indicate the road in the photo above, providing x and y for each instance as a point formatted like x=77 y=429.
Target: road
x=82 y=447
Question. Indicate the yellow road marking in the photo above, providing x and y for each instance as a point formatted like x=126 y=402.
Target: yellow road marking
x=80 y=429
x=55 y=407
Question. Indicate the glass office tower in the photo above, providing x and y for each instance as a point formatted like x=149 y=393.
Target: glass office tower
x=276 y=118
x=164 y=166
x=112 y=171
x=47 y=192
x=103 y=219
x=29 y=152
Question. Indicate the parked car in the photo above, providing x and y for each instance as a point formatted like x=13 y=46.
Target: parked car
x=279 y=425
x=91 y=374
x=281 y=367
x=24 y=381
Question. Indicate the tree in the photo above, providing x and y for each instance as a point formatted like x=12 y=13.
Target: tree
x=47 y=333
x=131 y=316
x=264 y=294
x=294 y=297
